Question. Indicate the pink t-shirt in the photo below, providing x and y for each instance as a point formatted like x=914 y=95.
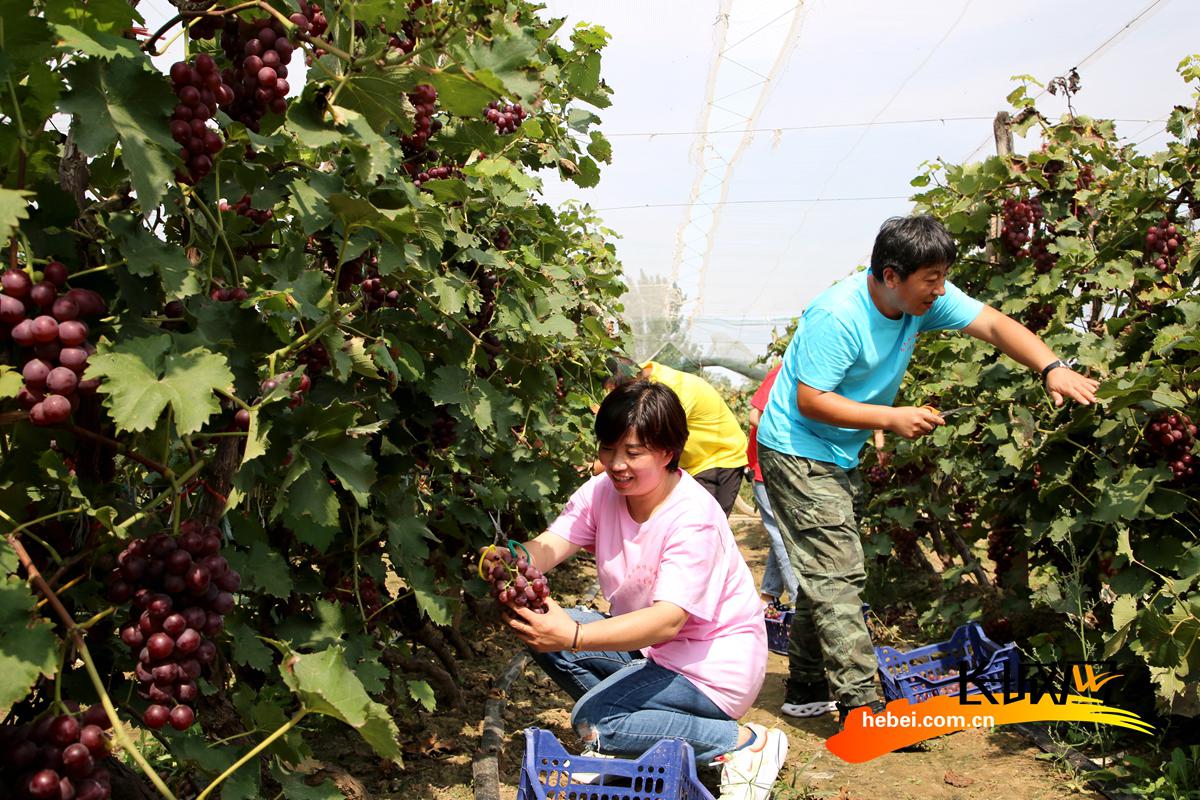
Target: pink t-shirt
x=684 y=554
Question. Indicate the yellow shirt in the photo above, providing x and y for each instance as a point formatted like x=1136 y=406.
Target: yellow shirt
x=714 y=437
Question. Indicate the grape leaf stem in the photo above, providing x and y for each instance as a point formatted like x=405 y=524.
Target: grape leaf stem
x=235 y=766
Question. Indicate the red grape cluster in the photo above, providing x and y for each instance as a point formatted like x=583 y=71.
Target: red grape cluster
x=1002 y=547
x=38 y=317
x=1170 y=437
x=1162 y=244
x=507 y=117
x=1038 y=316
x=502 y=238
x=1019 y=216
x=877 y=475
x=406 y=40
x=243 y=208
x=438 y=173
x=1043 y=259
x=270 y=384
x=181 y=588
x=560 y=388
x=998 y=629
x=445 y=429
x=57 y=757
x=1086 y=177
x=314 y=358
x=1035 y=482
x=904 y=544
x=514 y=580
x=376 y=294
x=424 y=102
x=774 y=610
x=310 y=19
x=368 y=592
x=200 y=89
x=224 y=294
x=262 y=52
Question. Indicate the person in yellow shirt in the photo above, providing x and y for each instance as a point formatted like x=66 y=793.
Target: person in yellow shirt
x=715 y=453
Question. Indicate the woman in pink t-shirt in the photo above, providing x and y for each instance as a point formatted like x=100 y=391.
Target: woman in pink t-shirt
x=684 y=651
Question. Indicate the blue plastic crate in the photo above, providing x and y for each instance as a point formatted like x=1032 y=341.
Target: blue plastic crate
x=779 y=628
x=933 y=670
x=667 y=771
x=777 y=631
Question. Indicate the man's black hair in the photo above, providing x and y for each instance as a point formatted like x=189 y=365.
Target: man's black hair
x=908 y=243
x=651 y=411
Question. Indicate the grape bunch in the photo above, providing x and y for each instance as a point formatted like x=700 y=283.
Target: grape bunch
x=1170 y=437
x=1038 y=316
x=1002 y=547
x=502 y=238
x=41 y=318
x=270 y=384
x=57 y=757
x=440 y=172
x=1162 y=245
x=376 y=294
x=507 y=117
x=406 y=40
x=445 y=429
x=200 y=89
x=1086 y=177
x=515 y=582
x=1018 y=217
x=310 y=19
x=262 y=52
x=905 y=544
x=1039 y=250
x=368 y=592
x=243 y=209
x=314 y=358
x=424 y=102
x=877 y=475
x=181 y=588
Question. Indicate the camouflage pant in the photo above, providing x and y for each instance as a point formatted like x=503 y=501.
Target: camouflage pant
x=816 y=506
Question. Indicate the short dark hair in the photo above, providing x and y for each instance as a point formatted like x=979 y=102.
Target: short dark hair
x=651 y=410
x=621 y=369
x=908 y=243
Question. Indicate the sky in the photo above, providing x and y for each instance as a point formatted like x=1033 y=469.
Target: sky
x=692 y=66
x=846 y=99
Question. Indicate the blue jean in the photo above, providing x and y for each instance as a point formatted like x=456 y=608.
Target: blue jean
x=778 y=574
x=625 y=703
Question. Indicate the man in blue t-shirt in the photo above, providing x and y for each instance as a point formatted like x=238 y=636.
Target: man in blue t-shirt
x=839 y=379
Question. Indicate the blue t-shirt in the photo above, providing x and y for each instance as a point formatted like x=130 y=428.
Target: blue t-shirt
x=844 y=344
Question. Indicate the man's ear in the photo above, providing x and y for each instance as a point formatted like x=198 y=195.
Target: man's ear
x=891 y=278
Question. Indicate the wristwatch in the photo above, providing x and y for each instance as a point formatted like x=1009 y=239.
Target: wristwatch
x=1055 y=364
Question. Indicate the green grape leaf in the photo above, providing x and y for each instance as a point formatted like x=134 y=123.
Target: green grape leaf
x=28 y=647
x=325 y=685
x=147 y=255
x=248 y=649
x=122 y=100
x=14 y=207
x=422 y=692
x=141 y=377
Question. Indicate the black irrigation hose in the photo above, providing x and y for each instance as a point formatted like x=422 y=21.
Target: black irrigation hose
x=1073 y=757
x=485 y=769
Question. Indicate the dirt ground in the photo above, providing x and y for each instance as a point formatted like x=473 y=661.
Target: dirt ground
x=440 y=746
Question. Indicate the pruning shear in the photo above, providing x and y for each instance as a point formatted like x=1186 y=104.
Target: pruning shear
x=952 y=412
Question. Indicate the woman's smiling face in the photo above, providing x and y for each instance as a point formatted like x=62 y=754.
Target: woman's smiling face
x=634 y=468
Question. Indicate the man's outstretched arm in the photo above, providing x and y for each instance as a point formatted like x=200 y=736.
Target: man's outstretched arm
x=1018 y=342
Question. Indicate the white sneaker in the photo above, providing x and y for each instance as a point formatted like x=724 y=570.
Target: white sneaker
x=749 y=773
